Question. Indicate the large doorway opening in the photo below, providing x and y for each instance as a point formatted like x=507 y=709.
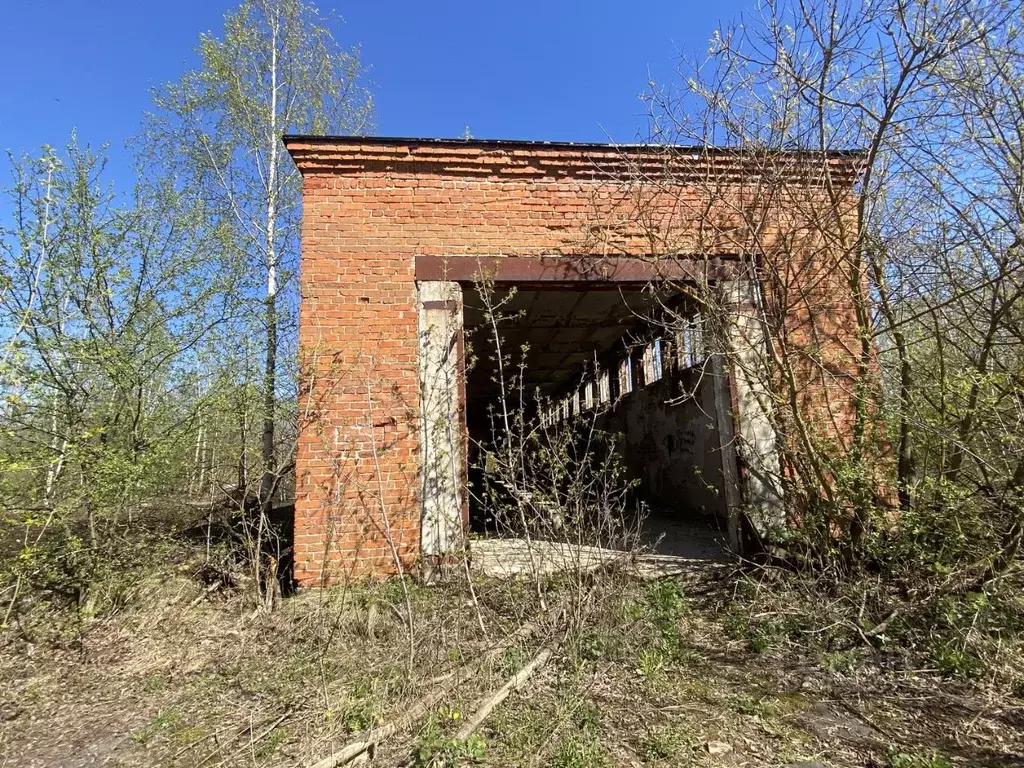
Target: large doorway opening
x=599 y=359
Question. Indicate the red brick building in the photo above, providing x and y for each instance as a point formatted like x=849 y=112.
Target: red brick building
x=392 y=227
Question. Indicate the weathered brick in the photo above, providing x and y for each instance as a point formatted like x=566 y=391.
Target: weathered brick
x=370 y=207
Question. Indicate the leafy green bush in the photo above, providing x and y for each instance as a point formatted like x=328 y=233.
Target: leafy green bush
x=63 y=568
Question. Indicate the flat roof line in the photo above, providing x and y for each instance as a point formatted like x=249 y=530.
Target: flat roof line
x=533 y=143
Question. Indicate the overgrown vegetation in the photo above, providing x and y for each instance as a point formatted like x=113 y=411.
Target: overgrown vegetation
x=141 y=329
x=545 y=480
x=664 y=674
x=902 y=482
x=149 y=412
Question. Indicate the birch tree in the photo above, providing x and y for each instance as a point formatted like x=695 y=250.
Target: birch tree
x=103 y=302
x=275 y=69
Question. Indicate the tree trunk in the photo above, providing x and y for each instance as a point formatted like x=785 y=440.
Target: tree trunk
x=270 y=370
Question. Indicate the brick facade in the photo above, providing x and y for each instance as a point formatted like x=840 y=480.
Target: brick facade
x=371 y=206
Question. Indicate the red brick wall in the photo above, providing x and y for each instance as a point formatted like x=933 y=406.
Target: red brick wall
x=368 y=209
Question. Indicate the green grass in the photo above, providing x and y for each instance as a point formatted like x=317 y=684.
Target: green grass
x=673 y=744
x=579 y=751
x=166 y=722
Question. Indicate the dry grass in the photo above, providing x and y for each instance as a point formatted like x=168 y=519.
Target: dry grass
x=169 y=680
x=651 y=674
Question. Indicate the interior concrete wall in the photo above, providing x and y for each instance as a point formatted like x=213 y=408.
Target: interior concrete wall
x=671 y=443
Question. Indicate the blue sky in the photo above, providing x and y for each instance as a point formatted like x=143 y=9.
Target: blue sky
x=556 y=70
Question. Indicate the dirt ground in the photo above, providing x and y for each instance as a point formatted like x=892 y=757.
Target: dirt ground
x=647 y=674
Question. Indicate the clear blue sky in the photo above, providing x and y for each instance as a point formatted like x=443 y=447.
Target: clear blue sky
x=560 y=70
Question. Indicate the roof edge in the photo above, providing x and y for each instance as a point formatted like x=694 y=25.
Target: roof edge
x=394 y=141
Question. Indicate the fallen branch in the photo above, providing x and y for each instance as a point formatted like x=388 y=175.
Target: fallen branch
x=371 y=738
x=368 y=740
x=522 y=633
x=252 y=740
x=487 y=704
x=999 y=567
x=880 y=627
x=208 y=591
